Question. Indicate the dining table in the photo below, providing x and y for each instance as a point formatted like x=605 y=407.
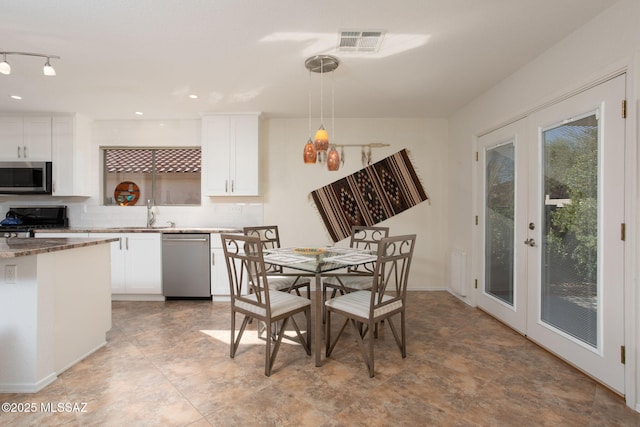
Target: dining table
x=318 y=262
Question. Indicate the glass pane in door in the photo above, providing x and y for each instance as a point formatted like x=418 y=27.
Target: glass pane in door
x=569 y=292
x=499 y=222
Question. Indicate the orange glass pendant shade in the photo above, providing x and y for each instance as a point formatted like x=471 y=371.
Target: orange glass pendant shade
x=321 y=139
x=309 y=154
x=333 y=160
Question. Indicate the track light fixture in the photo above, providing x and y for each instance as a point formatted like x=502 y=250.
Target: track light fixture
x=48 y=70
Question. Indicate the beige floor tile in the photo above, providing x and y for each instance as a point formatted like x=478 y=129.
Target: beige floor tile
x=167 y=363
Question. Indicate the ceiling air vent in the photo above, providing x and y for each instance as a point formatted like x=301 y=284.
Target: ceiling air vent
x=360 y=41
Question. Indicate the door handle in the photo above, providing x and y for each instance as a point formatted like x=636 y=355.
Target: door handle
x=530 y=242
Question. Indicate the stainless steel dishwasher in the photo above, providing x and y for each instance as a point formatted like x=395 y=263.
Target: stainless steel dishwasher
x=186 y=272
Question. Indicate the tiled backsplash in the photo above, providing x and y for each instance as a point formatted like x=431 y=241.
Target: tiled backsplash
x=211 y=215
x=223 y=215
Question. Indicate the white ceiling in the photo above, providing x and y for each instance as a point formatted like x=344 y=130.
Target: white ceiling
x=122 y=56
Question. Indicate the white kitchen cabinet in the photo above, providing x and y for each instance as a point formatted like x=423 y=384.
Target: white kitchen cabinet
x=25 y=138
x=136 y=264
x=70 y=138
x=219 y=277
x=230 y=154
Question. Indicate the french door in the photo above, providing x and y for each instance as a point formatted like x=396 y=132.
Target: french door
x=553 y=208
x=503 y=154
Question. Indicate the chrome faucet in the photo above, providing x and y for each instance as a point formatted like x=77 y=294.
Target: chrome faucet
x=151 y=217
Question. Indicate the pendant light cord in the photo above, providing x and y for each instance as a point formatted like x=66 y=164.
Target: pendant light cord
x=309 y=104
x=333 y=116
x=321 y=89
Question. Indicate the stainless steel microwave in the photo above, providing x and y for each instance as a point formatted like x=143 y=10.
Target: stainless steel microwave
x=25 y=178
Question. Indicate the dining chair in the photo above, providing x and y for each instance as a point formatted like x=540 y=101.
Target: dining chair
x=278 y=279
x=358 y=277
x=364 y=310
x=246 y=267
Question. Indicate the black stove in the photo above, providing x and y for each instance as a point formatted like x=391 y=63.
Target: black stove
x=33 y=217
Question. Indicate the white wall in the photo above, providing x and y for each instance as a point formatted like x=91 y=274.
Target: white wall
x=287 y=182
x=608 y=43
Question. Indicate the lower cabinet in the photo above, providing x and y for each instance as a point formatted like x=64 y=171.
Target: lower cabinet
x=136 y=265
x=219 y=277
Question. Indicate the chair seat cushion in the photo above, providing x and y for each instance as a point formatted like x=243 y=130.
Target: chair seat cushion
x=281 y=302
x=358 y=303
x=284 y=282
x=358 y=283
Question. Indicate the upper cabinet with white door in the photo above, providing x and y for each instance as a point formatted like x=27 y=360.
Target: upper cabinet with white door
x=230 y=144
x=25 y=138
x=71 y=136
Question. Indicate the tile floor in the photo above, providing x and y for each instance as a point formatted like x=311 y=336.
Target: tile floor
x=167 y=364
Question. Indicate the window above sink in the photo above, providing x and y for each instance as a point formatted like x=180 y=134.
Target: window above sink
x=166 y=176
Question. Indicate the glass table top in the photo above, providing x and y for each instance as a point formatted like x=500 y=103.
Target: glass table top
x=318 y=260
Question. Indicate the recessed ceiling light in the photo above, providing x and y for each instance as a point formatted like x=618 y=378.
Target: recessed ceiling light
x=193 y=96
x=139 y=113
x=15 y=97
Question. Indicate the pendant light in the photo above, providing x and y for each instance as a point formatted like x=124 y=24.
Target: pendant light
x=320 y=64
x=309 y=155
x=333 y=159
x=321 y=139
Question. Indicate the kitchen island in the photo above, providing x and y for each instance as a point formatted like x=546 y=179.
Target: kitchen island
x=55 y=307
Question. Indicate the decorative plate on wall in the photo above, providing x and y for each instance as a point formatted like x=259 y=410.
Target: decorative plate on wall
x=127 y=193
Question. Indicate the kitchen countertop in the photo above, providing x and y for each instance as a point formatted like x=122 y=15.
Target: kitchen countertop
x=13 y=247
x=175 y=230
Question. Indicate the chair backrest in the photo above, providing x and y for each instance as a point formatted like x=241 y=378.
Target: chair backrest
x=367 y=238
x=270 y=238
x=391 y=274
x=245 y=267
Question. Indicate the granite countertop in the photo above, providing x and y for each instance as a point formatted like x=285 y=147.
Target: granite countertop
x=13 y=247
x=174 y=230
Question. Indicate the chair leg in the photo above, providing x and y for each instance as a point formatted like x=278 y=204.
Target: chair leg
x=305 y=343
x=236 y=342
x=402 y=331
x=367 y=351
x=307 y=313
x=267 y=353
x=232 y=347
x=271 y=354
x=400 y=338
x=370 y=364
x=329 y=344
